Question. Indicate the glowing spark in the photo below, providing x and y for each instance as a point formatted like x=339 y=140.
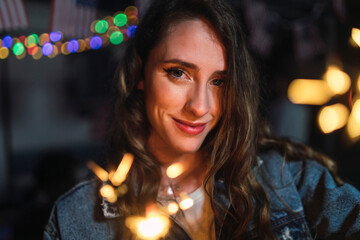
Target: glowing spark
x=338 y=81
x=120 y=174
x=355 y=34
x=333 y=117
x=175 y=170
x=309 y=91
x=153 y=226
x=108 y=192
x=99 y=172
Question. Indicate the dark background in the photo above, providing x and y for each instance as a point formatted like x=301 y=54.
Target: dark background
x=53 y=111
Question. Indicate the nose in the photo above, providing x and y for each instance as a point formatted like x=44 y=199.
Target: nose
x=199 y=100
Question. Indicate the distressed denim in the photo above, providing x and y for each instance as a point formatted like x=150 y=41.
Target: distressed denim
x=305 y=203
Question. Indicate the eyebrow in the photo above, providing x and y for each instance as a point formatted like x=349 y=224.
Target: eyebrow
x=190 y=65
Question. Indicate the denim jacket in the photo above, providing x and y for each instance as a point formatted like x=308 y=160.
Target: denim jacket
x=305 y=203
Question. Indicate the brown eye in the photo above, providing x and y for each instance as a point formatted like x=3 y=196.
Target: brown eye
x=217 y=82
x=173 y=72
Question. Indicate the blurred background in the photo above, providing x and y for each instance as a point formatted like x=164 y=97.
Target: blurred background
x=57 y=62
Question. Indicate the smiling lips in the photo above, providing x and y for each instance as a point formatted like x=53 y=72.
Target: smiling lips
x=189 y=127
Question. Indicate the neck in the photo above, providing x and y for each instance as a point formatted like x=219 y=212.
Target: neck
x=195 y=169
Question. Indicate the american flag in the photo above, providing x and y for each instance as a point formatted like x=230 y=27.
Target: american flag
x=72 y=19
x=13 y=15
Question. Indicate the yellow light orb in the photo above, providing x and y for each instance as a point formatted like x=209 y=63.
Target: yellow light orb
x=338 y=81
x=175 y=170
x=355 y=34
x=4 y=52
x=108 y=192
x=333 y=117
x=309 y=91
x=186 y=203
x=173 y=207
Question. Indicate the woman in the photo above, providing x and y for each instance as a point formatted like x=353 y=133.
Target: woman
x=187 y=93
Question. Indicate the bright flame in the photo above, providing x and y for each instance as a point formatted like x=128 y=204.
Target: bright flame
x=355 y=34
x=333 y=117
x=120 y=174
x=99 y=172
x=309 y=91
x=108 y=192
x=338 y=81
x=186 y=202
x=353 y=126
x=175 y=170
x=153 y=226
x=172 y=208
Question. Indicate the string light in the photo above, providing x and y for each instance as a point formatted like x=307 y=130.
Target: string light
x=175 y=170
x=353 y=126
x=107 y=28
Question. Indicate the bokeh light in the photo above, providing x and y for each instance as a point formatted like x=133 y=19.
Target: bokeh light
x=101 y=26
x=185 y=202
x=32 y=40
x=95 y=42
x=44 y=38
x=338 y=81
x=108 y=192
x=82 y=45
x=121 y=172
x=355 y=34
x=47 y=49
x=7 y=41
x=55 y=52
x=130 y=31
x=116 y=37
x=0 y=42
x=333 y=117
x=358 y=83
x=64 y=49
x=37 y=55
x=22 y=39
x=56 y=36
x=18 y=49
x=73 y=46
x=172 y=208
x=21 y=56
x=99 y=172
x=32 y=50
x=4 y=52
x=309 y=91
x=120 y=19
x=175 y=170
x=353 y=126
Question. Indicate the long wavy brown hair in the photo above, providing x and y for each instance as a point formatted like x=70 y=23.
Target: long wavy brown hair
x=231 y=147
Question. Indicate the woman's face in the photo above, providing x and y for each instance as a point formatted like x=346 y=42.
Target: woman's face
x=183 y=82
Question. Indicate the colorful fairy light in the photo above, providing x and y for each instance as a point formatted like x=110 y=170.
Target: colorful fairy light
x=130 y=31
x=120 y=19
x=96 y=42
x=18 y=49
x=4 y=52
x=333 y=117
x=7 y=41
x=73 y=46
x=55 y=36
x=101 y=26
x=47 y=49
x=116 y=37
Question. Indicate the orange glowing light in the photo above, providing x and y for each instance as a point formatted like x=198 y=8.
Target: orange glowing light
x=44 y=38
x=108 y=192
x=54 y=53
x=309 y=91
x=64 y=49
x=353 y=126
x=358 y=83
x=153 y=226
x=99 y=171
x=338 y=81
x=175 y=170
x=21 y=56
x=333 y=117
x=4 y=52
x=120 y=174
x=355 y=34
